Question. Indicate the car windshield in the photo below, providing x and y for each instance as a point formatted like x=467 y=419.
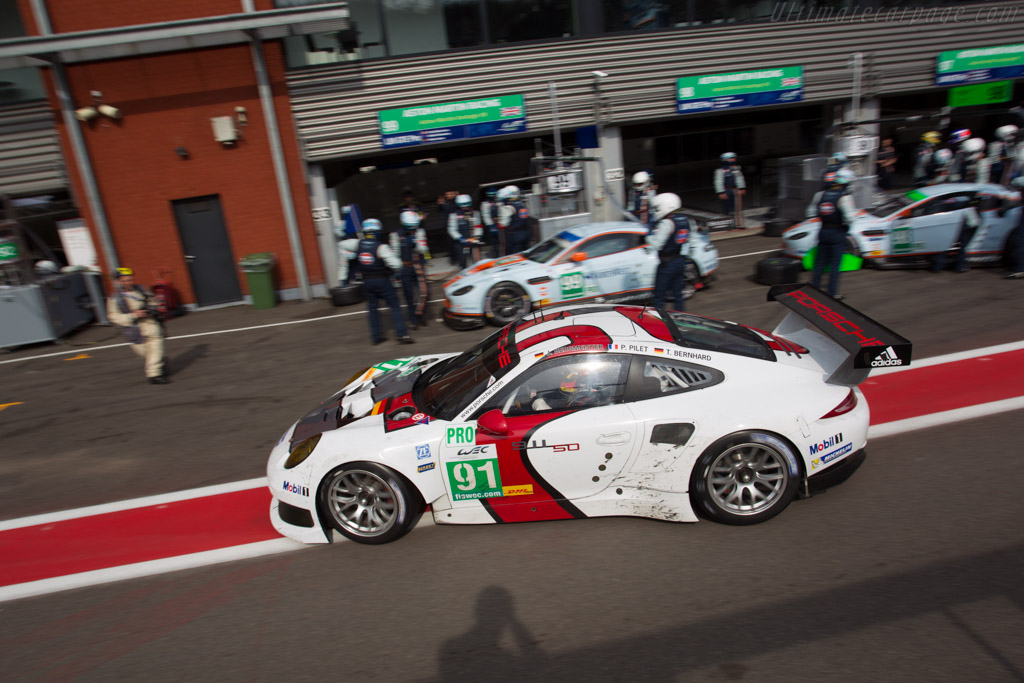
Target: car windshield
x=545 y=250
x=715 y=335
x=893 y=204
x=446 y=389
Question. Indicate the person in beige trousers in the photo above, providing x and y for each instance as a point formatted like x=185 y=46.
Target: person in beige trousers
x=131 y=308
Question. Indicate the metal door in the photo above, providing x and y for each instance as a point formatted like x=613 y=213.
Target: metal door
x=204 y=238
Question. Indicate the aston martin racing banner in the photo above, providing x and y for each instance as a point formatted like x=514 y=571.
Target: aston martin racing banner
x=452 y=121
x=980 y=64
x=741 y=89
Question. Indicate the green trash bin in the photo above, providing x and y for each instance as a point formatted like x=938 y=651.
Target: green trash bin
x=259 y=273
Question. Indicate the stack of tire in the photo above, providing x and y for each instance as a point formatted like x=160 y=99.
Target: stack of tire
x=778 y=270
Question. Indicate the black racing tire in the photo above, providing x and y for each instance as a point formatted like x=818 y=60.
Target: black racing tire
x=745 y=478
x=346 y=295
x=506 y=302
x=369 y=503
x=777 y=270
x=774 y=227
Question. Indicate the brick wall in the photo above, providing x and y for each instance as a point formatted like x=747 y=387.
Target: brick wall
x=166 y=102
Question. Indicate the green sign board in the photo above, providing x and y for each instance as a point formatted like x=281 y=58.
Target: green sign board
x=739 y=89
x=976 y=65
x=452 y=121
x=981 y=93
x=9 y=251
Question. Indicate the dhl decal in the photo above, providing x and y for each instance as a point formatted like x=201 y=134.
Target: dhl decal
x=523 y=490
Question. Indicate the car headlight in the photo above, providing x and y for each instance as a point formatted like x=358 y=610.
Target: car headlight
x=462 y=291
x=797 y=236
x=356 y=376
x=302 y=451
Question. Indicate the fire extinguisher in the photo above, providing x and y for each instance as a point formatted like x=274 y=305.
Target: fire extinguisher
x=163 y=292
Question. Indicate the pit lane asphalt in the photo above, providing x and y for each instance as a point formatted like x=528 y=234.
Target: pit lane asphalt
x=909 y=571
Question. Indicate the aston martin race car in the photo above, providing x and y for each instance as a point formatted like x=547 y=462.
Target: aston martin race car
x=589 y=411
x=907 y=229
x=603 y=262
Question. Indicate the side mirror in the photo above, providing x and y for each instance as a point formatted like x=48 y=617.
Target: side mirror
x=579 y=256
x=493 y=422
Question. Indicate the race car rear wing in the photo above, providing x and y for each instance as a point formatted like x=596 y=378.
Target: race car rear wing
x=851 y=344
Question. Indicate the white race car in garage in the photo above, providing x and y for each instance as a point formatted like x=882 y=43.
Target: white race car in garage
x=926 y=221
x=589 y=411
x=600 y=262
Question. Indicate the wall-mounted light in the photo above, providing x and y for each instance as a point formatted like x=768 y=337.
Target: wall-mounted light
x=224 y=130
x=241 y=116
x=86 y=113
x=109 y=111
x=98 y=108
x=182 y=152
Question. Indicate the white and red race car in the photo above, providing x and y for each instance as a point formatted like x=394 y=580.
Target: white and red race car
x=588 y=411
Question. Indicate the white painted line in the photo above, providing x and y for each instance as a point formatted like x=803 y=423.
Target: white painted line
x=953 y=357
x=148 y=501
x=163 y=566
x=938 y=419
x=82 y=349
x=151 y=568
x=752 y=253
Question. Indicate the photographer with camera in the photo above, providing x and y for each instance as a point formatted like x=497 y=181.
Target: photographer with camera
x=134 y=310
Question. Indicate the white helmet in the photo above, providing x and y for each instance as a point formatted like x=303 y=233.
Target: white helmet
x=641 y=180
x=409 y=219
x=727 y=156
x=512 y=192
x=463 y=201
x=844 y=176
x=839 y=158
x=665 y=203
x=943 y=156
x=372 y=225
x=973 y=146
x=1007 y=132
x=47 y=267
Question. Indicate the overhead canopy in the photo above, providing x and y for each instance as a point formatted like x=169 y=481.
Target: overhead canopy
x=130 y=41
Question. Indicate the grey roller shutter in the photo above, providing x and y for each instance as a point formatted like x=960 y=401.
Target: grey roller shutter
x=31 y=161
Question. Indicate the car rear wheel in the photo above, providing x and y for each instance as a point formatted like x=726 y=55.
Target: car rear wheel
x=506 y=302
x=745 y=478
x=368 y=503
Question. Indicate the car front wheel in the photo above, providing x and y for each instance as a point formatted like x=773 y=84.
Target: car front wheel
x=745 y=478
x=506 y=302
x=368 y=503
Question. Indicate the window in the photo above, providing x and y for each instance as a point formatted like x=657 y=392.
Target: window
x=573 y=382
x=695 y=332
x=943 y=205
x=607 y=244
x=511 y=21
x=656 y=378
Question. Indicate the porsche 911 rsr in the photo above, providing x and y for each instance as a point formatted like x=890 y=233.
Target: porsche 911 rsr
x=600 y=262
x=589 y=411
x=908 y=228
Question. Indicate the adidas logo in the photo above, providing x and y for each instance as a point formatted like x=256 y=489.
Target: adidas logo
x=886 y=358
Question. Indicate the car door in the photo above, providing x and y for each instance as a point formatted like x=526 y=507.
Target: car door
x=663 y=395
x=935 y=224
x=564 y=435
x=604 y=265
